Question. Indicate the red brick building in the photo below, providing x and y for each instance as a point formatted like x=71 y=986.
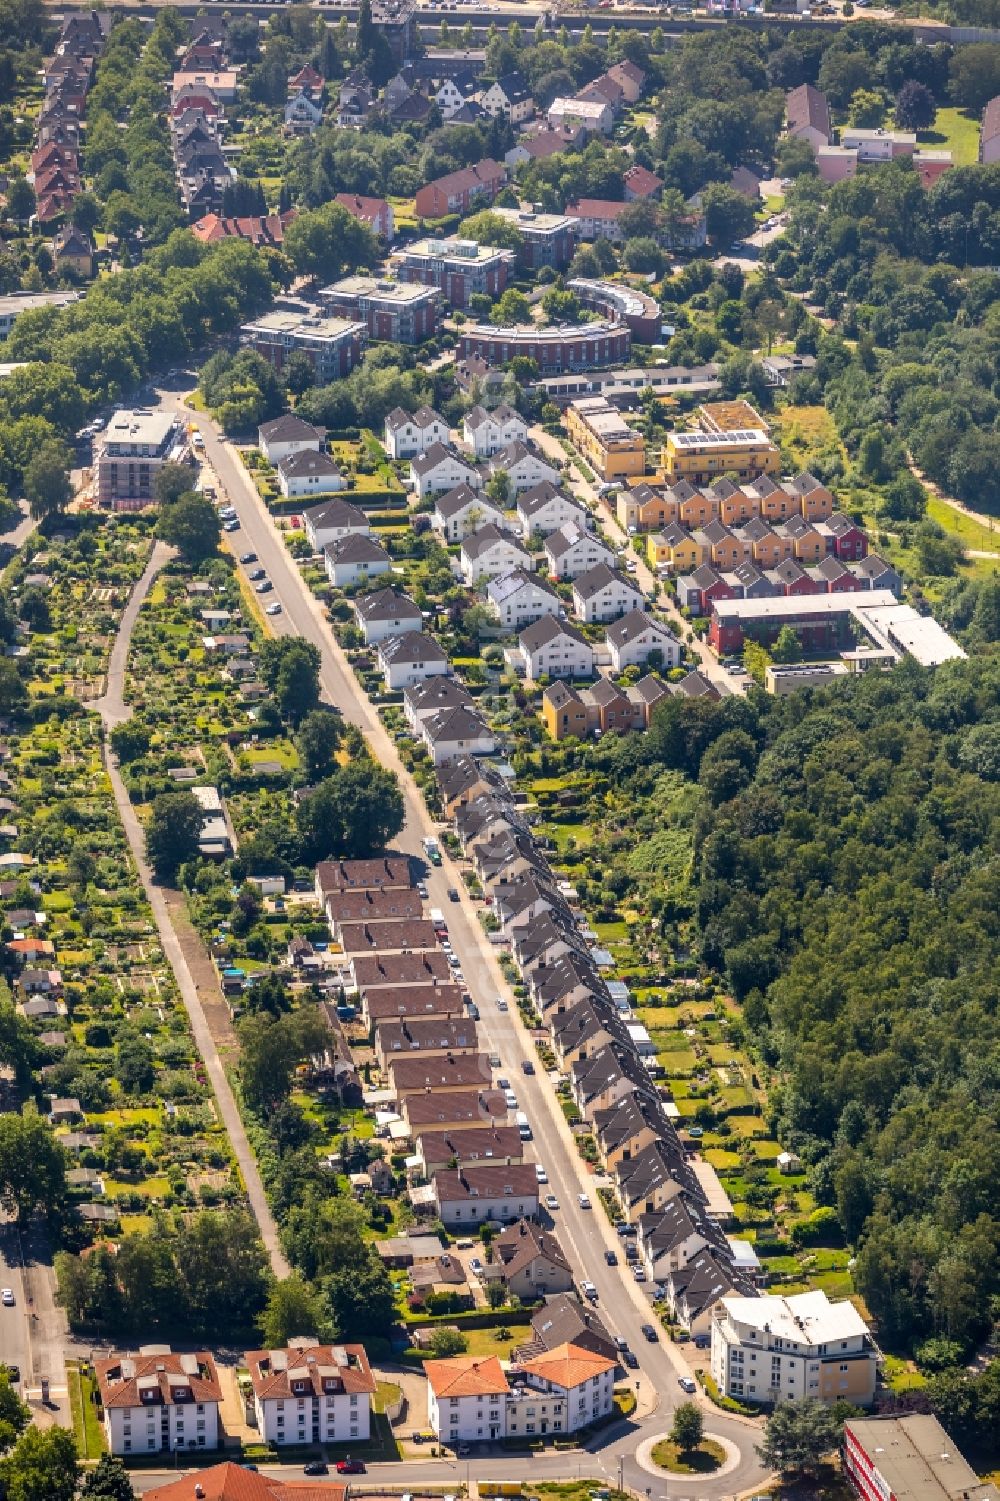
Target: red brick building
x=374 y=212
x=398 y=311
x=458 y=268
x=458 y=191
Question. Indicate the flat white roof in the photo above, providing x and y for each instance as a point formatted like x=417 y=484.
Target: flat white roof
x=788 y=607
x=805 y=1318
x=902 y=627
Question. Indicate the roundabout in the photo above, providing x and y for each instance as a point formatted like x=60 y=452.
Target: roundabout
x=712 y=1444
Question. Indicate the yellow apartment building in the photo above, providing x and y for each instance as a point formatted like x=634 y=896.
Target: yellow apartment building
x=605 y=440
x=701 y=457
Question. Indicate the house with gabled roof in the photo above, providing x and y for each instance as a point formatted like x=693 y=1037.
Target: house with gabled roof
x=490 y=552
x=408 y=434
x=439 y=469
x=553 y=648
x=385 y=612
x=518 y=598
x=604 y=593
x=461 y=511
x=159 y=1400
x=636 y=636
x=308 y=1393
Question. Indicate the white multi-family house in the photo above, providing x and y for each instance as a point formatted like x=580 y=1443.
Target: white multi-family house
x=439 y=469
x=572 y=550
x=519 y=598
x=303 y=114
x=486 y=1191
x=456 y=732
x=602 y=593
x=560 y=1391
x=523 y=467
x=509 y=98
x=309 y=473
x=157 y=1400
x=311 y=1393
x=636 y=636
x=423 y=700
x=286 y=435
x=461 y=511
x=791 y=1349
x=454 y=93
x=385 y=612
x=553 y=648
x=490 y=552
x=544 y=508
x=354 y=559
x=411 y=658
x=410 y=433
x=486 y=432
x=329 y=523
x=467 y=1399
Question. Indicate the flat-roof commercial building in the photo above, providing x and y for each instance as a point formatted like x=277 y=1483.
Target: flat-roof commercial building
x=549 y=239
x=333 y=346
x=637 y=310
x=702 y=456
x=16 y=303
x=910 y=1458
x=400 y=312
x=605 y=439
x=585 y=346
x=132 y=449
x=458 y=268
x=827 y=622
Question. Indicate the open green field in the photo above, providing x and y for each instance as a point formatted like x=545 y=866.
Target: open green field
x=955 y=131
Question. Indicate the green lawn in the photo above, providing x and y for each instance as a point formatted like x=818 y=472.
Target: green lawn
x=971 y=534
x=87 y=1428
x=954 y=131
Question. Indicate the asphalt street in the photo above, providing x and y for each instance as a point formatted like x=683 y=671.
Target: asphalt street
x=585 y=1233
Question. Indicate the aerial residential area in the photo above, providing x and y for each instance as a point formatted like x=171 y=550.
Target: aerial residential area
x=499 y=751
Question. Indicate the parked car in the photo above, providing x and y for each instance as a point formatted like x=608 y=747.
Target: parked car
x=256 y=574
x=274 y=608
x=350 y=1466
x=453 y=893
x=540 y=1173
x=583 y=1200
x=231 y=526
x=551 y=1202
x=248 y=557
x=264 y=587
x=7 y=1297
x=687 y=1385
x=611 y=1258
x=502 y=1004
x=527 y=1067
x=630 y=1359
x=650 y=1331
x=639 y=1273
x=316 y=1467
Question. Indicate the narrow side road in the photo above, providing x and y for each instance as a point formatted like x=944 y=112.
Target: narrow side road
x=114 y=711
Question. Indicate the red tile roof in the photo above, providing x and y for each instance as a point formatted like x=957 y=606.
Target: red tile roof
x=232 y=1482
x=310 y=1368
x=158 y=1379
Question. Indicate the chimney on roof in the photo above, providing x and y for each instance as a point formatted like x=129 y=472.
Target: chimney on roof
x=199 y=1489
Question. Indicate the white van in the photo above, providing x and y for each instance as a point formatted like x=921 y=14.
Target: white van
x=523 y=1125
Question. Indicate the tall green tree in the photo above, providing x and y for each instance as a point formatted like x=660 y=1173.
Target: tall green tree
x=172 y=832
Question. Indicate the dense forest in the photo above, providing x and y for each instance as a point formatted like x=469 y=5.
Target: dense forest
x=846 y=881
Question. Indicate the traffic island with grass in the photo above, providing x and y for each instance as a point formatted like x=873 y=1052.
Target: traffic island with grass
x=703 y=1459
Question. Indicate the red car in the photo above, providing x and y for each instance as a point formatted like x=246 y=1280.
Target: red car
x=350 y=1467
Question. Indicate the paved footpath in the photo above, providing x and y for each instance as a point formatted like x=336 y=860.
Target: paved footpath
x=114 y=711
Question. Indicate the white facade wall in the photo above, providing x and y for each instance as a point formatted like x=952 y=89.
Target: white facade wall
x=448 y=475
x=477 y=514
x=475 y=1211
x=275 y=451
x=467 y=1420
x=310 y=485
x=343 y=575
x=526 y=606
x=489 y=437
x=148 y=1430
x=375 y=631
x=613 y=600
x=342 y=1418
x=503 y=557
x=400 y=675
x=561 y=658
x=412 y=439
x=584 y=554
x=635 y=653
x=323 y=536
x=443 y=751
